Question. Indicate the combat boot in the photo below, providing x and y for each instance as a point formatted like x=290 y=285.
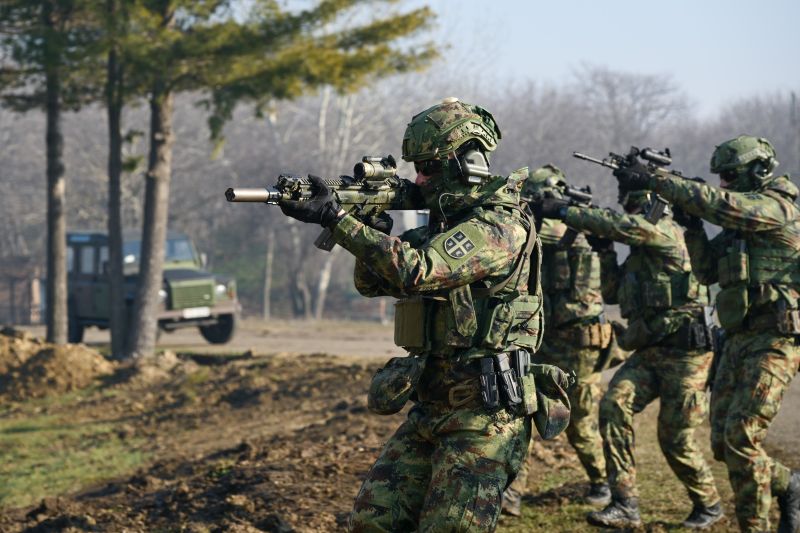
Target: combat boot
x=703 y=516
x=620 y=513
x=789 y=503
x=512 y=502
x=599 y=494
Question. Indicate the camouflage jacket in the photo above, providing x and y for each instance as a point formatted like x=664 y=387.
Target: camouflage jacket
x=480 y=248
x=764 y=225
x=570 y=278
x=654 y=286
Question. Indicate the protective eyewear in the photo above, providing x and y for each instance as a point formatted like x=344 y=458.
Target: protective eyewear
x=429 y=167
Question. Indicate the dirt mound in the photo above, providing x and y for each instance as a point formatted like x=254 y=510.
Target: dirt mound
x=16 y=347
x=159 y=368
x=51 y=369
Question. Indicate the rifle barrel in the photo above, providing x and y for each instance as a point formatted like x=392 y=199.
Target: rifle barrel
x=603 y=162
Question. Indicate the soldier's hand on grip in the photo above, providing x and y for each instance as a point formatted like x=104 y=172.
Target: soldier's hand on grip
x=382 y=222
x=322 y=208
x=550 y=208
x=633 y=177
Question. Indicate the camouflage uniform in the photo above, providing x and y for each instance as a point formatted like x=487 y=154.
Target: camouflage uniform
x=661 y=299
x=573 y=341
x=757 y=305
x=447 y=465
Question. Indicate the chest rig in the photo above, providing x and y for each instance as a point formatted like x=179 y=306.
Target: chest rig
x=570 y=282
x=759 y=278
x=477 y=319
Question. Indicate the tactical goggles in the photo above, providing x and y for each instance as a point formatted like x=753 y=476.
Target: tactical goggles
x=729 y=175
x=429 y=167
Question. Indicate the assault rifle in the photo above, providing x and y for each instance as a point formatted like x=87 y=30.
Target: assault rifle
x=655 y=161
x=373 y=188
x=577 y=197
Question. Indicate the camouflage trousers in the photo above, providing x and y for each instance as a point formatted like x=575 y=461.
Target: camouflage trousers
x=583 y=432
x=442 y=470
x=755 y=370
x=679 y=379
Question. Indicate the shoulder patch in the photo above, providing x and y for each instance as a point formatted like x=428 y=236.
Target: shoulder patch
x=459 y=244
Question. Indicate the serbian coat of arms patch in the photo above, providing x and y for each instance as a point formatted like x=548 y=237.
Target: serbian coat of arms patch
x=458 y=245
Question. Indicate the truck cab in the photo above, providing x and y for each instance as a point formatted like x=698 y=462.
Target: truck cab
x=189 y=297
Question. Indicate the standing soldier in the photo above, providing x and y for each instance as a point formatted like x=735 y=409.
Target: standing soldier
x=756 y=261
x=576 y=334
x=664 y=305
x=466 y=295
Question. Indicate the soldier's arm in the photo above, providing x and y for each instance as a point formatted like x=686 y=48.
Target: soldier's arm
x=632 y=230
x=370 y=284
x=704 y=254
x=732 y=210
x=492 y=251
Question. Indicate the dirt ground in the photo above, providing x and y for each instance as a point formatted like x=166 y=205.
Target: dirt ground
x=267 y=433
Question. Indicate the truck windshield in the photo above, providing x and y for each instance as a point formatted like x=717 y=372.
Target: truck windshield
x=177 y=250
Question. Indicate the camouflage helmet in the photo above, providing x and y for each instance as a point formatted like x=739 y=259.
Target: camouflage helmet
x=745 y=163
x=548 y=177
x=442 y=129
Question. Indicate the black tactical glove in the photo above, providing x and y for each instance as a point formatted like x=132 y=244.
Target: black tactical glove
x=382 y=222
x=686 y=220
x=322 y=208
x=550 y=208
x=634 y=177
x=600 y=244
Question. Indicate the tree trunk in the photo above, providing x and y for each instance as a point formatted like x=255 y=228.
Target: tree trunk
x=324 y=281
x=300 y=294
x=116 y=279
x=56 y=218
x=142 y=336
x=267 y=301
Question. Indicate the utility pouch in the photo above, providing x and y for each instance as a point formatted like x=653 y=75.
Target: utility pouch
x=521 y=363
x=788 y=320
x=732 y=305
x=392 y=385
x=527 y=322
x=501 y=317
x=489 y=392
x=508 y=380
x=559 y=271
x=465 y=322
x=409 y=323
x=658 y=293
x=734 y=267
x=584 y=265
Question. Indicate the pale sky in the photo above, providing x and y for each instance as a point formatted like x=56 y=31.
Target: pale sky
x=716 y=50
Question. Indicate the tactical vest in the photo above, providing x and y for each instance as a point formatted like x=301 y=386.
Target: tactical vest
x=477 y=319
x=570 y=279
x=759 y=278
x=651 y=286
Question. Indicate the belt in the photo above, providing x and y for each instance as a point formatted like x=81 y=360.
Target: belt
x=463 y=394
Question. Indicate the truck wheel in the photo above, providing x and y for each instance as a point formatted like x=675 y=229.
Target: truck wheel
x=222 y=331
x=74 y=326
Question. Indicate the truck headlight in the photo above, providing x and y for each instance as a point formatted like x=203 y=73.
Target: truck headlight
x=162 y=296
x=221 y=289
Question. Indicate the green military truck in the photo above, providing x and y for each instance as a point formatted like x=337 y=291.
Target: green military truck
x=189 y=297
